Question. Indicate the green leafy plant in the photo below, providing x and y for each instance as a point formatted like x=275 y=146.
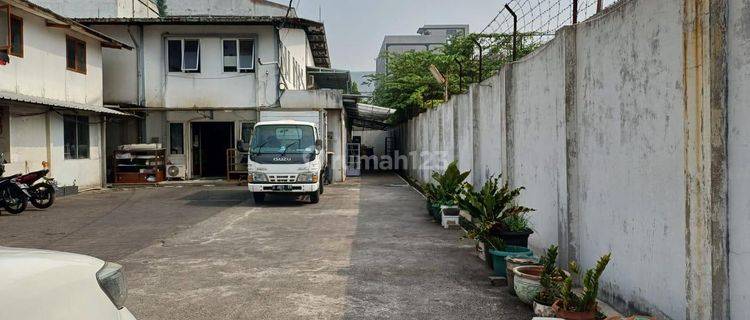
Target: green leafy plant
x=449 y=184
x=550 y=277
x=585 y=302
x=408 y=85
x=494 y=207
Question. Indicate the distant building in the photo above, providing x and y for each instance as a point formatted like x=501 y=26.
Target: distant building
x=102 y=8
x=428 y=37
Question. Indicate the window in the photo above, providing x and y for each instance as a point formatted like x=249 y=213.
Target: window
x=176 y=139
x=191 y=51
x=76 y=136
x=76 y=55
x=174 y=48
x=184 y=55
x=4 y=27
x=239 y=55
x=16 y=36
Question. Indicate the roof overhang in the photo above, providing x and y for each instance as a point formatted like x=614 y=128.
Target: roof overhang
x=316 y=33
x=15 y=97
x=55 y=20
x=366 y=115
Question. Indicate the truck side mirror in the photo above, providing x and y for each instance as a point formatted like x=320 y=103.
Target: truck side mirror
x=318 y=144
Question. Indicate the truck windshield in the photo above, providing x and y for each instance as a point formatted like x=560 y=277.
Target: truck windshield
x=286 y=139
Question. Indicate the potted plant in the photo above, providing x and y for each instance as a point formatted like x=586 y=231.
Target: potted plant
x=513 y=262
x=432 y=194
x=550 y=280
x=572 y=306
x=496 y=208
x=447 y=188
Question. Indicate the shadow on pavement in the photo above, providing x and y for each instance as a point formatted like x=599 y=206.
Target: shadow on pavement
x=405 y=266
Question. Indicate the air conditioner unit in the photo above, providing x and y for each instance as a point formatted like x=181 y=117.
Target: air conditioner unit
x=176 y=172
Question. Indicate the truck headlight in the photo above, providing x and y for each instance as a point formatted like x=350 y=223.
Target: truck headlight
x=257 y=177
x=307 y=177
x=112 y=281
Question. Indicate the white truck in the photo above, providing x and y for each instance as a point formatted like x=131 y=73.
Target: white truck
x=287 y=154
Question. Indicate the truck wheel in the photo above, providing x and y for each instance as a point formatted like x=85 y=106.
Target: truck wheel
x=259 y=197
x=315 y=196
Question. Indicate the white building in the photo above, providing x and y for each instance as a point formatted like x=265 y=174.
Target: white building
x=51 y=103
x=428 y=37
x=102 y=8
x=200 y=81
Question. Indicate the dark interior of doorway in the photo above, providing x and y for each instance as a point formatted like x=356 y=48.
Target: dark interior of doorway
x=210 y=143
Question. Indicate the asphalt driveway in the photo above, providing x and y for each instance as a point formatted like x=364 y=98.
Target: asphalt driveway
x=366 y=251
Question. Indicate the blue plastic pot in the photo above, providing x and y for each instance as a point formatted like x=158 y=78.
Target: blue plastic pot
x=498 y=258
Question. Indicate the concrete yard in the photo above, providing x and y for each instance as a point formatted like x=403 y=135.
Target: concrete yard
x=367 y=250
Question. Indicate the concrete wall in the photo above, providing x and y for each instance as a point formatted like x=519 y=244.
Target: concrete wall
x=630 y=137
x=738 y=47
x=36 y=136
x=42 y=71
x=296 y=57
x=102 y=8
x=226 y=8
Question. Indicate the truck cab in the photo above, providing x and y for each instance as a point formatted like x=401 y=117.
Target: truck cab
x=286 y=156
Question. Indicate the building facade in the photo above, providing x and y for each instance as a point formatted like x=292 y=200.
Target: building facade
x=200 y=82
x=102 y=8
x=51 y=95
x=428 y=37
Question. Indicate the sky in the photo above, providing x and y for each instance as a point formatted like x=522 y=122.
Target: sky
x=355 y=28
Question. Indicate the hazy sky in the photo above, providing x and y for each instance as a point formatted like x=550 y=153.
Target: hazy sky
x=355 y=28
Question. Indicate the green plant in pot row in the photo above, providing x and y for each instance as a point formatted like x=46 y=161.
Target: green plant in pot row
x=497 y=221
x=583 y=306
x=493 y=208
x=446 y=189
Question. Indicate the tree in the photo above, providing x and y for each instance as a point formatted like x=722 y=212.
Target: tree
x=354 y=88
x=162 y=6
x=409 y=87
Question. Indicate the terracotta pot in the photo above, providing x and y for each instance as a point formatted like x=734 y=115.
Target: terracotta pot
x=571 y=315
x=513 y=262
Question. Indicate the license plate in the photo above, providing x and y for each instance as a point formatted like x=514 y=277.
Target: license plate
x=282 y=188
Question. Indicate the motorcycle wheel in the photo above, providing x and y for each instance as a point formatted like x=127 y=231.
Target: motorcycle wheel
x=43 y=195
x=15 y=203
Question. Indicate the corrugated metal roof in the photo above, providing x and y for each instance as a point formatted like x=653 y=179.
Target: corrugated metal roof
x=315 y=30
x=78 y=27
x=11 y=96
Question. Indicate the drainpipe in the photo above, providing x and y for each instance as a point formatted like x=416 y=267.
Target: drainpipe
x=140 y=79
x=103 y=148
x=48 y=129
x=277 y=52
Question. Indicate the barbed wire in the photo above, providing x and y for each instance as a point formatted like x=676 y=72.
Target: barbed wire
x=538 y=20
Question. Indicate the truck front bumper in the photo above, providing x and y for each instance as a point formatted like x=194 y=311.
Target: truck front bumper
x=283 y=188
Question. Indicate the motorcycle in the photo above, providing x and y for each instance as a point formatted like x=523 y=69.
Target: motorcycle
x=43 y=193
x=14 y=195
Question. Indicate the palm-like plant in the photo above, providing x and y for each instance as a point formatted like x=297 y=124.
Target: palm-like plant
x=448 y=184
x=585 y=302
x=495 y=206
x=549 y=279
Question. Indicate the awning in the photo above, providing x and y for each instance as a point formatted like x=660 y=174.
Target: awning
x=15 y=97
x=367 y=115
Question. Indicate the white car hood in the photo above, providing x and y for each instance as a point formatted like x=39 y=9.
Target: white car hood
x=41 y=284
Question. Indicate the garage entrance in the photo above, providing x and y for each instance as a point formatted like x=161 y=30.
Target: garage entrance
x=210 y=141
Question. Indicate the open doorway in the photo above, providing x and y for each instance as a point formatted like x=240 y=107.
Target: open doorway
x=210 y=141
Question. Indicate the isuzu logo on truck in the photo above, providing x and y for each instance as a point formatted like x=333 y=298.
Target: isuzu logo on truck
x=282 y=159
